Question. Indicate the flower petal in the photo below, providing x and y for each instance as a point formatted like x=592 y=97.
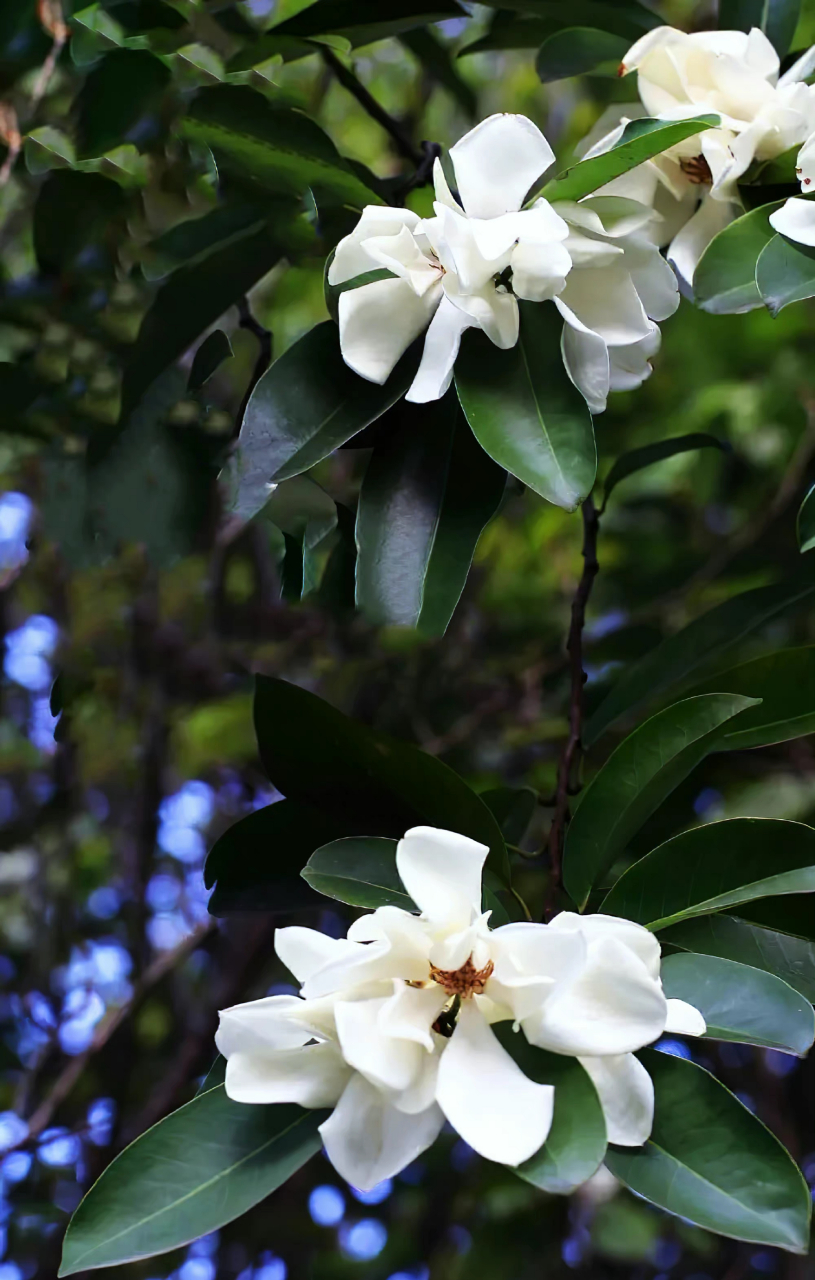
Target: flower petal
x=539 y=270
x=402 y=255
x=367 y=1140
x=497 y=162
x=388 y=1063
x=796 y=221
x=379 y=321
x=351 y=257
x=687 y=247
x=634 y=936
x=305 y=951
x=411 y=1011
x=529 y=959
x=626 y=1093
x=606 y=301
x=261 y=1025
x=441 y=871
x=684 y=1019
x=313 y=1076
x=629 y=366
x=585 y=355
x=435 y=372
x=502 y=1114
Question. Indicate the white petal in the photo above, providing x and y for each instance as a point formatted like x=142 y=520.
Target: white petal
x=634 y=936
x=493 y=309
x=629 y=366
x=626 y=1094
x=402 y=255
x=305 y=951
x=441 y=346
x=410 y=1013
x=488 y=1100
x=441 y=187
x=684 y=1020
x=399 y=947
x=539 y=271
x=612 y=1007
x=387 y=1062
x=379 y=321
x=801 y=69
x=351 y=257
x=687 y=247
x=441 y=871
x=261 y=1025
x=605 y=300
x=658 y=38
x=796 y=221
x=313 y=1076
x=529 y=959
x=805 y=165
x=653 y=278
x=585 y=355
x=497 y=162
x=367 y=1140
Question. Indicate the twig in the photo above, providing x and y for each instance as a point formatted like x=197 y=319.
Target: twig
x=10 y=135
x=51 y=19
x=264 y=358
x=378 y=113
x=70 y=1075
x=572 y=749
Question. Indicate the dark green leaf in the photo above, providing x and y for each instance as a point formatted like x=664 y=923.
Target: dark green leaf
x=70 y=211
x=785 y=273
x=513 y=809
x=576 y=1143
x=304 y=407
x=722 y=865
x=198 y=237
x=508 y=31
x=790 y=913
x=428 y=492
x=115 y=95
x=776 y=18
x=724 y=282
x=648 y=454
x=788 y=957
x=524 y=410
x=700 y=642
x=576 y=51
x=361 y=871
x=740 y=1003
x=198 y=1169
x=435 y=58
x=623 y=17
x=641 y=140
x=644 y=769
x=275 y=146
x=211 y=354
x=805 y=524
x=711 y=1161
x=363 y=21
x=381 y=786
x=785 y=683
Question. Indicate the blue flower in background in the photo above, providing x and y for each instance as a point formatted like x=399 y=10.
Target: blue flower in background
x=16 y=511
x=28 y=653
x=326 y=1204
x=182 y=818
x=363 y=1240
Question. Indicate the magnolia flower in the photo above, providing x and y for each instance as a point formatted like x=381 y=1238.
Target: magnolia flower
x=796 y=220
x=735 y=75
x=449 y=270
x=392 y=1028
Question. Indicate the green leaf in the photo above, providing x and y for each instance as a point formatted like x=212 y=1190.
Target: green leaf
x=624 y=17
x=776 y=18
x=790 y=913
x=381 y=786
x=723 y=864
x=201 y=1167
x=361 y=871
x=749 y=1006
x=513 y=809
x=48 y=148
x=507 y=31
x=785 y=273
x=785 y=683
x=576 y=1144
x=524 y=410
x=648 y=454
x=435 y=58
x=70 y=211
x=276 y=147
x=428 y=492
x=305 y=406
x=678 y=656
x=576 y=51
x=211 y=354
x=644 y=769
x=805 y=524
x=364 y=21
x=733 y=938
x=724 y=282
x=115 y=94
x=640 y=141
x=711 y=1161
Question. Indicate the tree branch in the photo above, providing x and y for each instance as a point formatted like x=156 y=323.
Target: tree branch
x=264 y=358
x=570 y=755
x=357 y=89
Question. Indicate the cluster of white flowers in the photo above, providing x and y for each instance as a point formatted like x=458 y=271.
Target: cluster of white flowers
x=467 y=266
x=692 y=187
x=393 y=1025
x=796 y=219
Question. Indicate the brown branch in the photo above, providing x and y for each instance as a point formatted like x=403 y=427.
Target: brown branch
x=368 y=102
x=570 y=755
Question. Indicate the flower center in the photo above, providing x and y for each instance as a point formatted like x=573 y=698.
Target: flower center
x=463 y=982
x=698 y=170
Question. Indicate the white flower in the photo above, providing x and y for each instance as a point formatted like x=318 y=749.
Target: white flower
x=618 y=287
x=735 y=75
x=796 y=220
x=448 y=267
x=393 y=1025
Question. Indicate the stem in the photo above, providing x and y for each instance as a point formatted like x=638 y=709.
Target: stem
x=572 y=750
x=378 y=113
x=264 y=358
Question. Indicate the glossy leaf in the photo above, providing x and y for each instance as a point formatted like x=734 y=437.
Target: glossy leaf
x=510 y=31
x=360 y=871
x=363 y=21
x=68 y=214
x=524 y=410
x=436 y=60
x=785 y=273
x=790 y=913
x=273 y=146
x=305 y=406
x=637 y=777
x=641 y=140
x=785 y=683
x=724 y=282
x=776 y=18
x=740 y=1003
x=678 y=656
x=513 y=809
x=194 y=1171
x=381 y=786
x=711 y=1161
x=428 y=492
x=576 y=1144
x=734 y=938
x=213 y=351
x=625 y=17
x=578 y=51
x=648 y=454
x=805 y=524
x=115 y=94
x=722 y=865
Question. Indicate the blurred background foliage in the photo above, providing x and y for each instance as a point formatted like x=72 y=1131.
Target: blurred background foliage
x=117 y=778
